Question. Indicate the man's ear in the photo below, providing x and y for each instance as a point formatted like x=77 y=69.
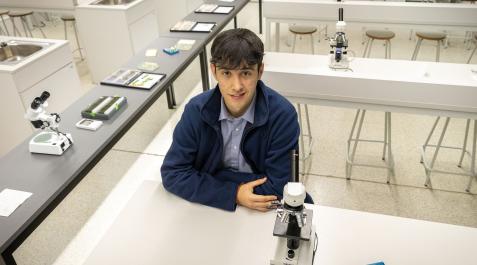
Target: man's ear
x=213 y=69
x=260 y=71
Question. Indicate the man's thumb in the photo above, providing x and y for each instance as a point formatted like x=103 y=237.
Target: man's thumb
x=258 y=182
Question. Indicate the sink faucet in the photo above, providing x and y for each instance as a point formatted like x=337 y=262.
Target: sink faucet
x=3 y=44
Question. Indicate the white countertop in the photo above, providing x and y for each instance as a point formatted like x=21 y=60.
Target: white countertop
x=53 y=45
x=440 y=89
x=380 y=69
x=157 y=227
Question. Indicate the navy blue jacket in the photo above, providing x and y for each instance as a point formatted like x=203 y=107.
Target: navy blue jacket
x=192 y=168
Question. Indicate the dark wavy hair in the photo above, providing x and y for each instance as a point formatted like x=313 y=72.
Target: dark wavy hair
x=235 y=47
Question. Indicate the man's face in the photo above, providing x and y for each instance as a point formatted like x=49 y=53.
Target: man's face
x=237 y=86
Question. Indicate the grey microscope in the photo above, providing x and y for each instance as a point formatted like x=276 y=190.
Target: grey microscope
x=297 y=240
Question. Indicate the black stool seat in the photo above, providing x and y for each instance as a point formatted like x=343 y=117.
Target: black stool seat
x=431 y=35
x=380 y=34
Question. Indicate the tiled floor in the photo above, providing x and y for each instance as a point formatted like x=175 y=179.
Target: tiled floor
x=71 y=231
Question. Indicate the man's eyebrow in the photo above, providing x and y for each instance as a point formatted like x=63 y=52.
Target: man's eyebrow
x=229 y=69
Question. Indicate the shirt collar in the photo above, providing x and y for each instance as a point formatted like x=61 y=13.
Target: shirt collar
x=249 y=114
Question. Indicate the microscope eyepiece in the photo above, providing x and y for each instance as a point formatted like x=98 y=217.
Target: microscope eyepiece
x=44 y=96
x=36 y=103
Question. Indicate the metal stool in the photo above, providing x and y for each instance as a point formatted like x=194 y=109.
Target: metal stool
x=23 y=20
x=432 y=36
x=71 y=18
x=4 y=12
x=304 y=30
x=384 y=35
x=429 y=166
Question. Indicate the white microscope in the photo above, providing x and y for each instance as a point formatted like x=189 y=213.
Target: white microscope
x=51 y=140
x=297 y=239
x=338 y=54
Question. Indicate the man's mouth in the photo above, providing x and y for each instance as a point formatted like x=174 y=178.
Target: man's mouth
x=237 y=96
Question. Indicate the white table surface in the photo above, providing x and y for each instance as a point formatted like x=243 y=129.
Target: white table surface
x=156 y=227
x=444 y=89
x=428 y=16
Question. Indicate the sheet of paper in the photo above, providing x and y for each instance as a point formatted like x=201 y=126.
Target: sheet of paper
x=11 y=199
x=223 y=9
x=151 y=52
x=185 y=44
x=204 y=27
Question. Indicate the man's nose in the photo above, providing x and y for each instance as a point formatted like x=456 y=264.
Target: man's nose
x=237 y=83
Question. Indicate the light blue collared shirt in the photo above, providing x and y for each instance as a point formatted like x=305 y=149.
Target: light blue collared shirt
x=232 y=131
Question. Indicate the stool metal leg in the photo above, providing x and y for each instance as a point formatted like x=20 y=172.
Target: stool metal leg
x=385 y=135
x=5 y=26
x=390 y=153
x=26 y=28
x=77 y=40
x=294 y=43
x=438 y=51
x=472 y=162
x=36 y=25
x=464 y=146
x=312 y=44
x=426 y=143
x=370 y=47
x=416 y=50
x=438 y=146
x=366 y=47
x=389 y=47
x=472 y=54
x=66 y=31
x=302 y=142
x=15 y=29
x=355 y=145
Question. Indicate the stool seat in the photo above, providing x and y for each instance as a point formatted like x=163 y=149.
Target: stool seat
x=301 y=29
x=380 y=34
x=20 y=13
x=68 y=18
x=3 y=12
x=431 y=35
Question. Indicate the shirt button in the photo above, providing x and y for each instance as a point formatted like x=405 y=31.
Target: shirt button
x=235 y=147
x=236 y=129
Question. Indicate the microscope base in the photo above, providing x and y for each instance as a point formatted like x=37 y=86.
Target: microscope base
x=303 y=255
x=50 y=143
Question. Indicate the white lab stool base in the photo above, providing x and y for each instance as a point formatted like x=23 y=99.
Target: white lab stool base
x=429 y=165
x=387 y=154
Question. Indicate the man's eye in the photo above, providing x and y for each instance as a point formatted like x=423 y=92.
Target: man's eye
x=247 y=73
x=225 y=73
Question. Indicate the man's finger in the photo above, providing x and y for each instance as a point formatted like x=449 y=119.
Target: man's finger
x=257 y=182
x=261 y=205
x=262 y=198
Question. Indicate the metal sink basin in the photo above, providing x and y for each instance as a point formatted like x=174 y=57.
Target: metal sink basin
x=15 y=52
x=113 y=2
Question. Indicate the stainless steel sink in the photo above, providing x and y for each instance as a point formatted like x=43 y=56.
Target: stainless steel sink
x=113 y=2
x=15 y=52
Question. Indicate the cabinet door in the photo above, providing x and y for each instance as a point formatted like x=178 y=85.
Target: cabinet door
x=63 y=85
x=143 y=31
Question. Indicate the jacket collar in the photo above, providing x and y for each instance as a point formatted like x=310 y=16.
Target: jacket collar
x=210 y=111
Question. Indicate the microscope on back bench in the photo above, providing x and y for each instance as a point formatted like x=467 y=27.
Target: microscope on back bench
x=297 y=240
x=338 y=54
x=50 y=140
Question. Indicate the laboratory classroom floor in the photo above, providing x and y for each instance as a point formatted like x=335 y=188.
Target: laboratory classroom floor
x=71 y=231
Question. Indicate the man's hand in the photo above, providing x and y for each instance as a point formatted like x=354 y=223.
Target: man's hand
x=247 y=198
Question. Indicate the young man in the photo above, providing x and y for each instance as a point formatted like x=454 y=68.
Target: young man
x=232 y=143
